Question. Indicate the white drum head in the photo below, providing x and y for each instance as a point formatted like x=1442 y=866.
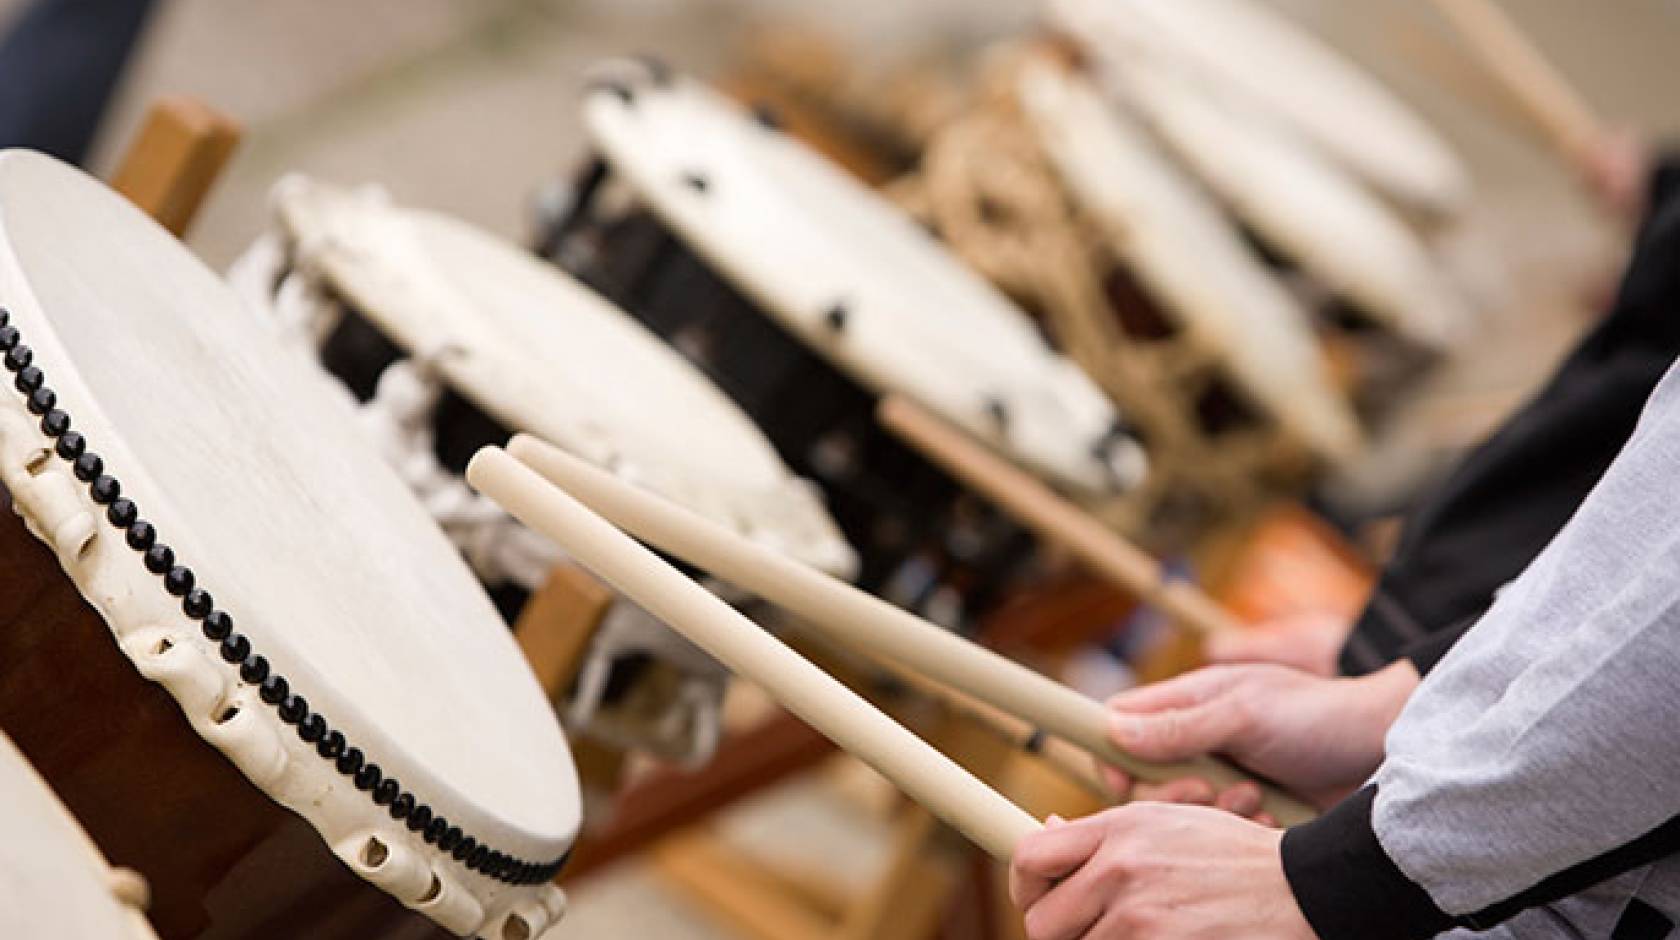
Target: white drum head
x=53 y=881
x=543 y=354
x=814 y=248
x=256 y=478
x=1247 y=52
x=1182 y=247
x=1303 y=206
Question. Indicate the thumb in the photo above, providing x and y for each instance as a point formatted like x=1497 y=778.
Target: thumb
x=1177 y=734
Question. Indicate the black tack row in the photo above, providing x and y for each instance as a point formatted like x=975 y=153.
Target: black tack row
x=235 y=648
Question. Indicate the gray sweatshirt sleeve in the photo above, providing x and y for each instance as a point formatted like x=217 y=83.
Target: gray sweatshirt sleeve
x=1541 y=755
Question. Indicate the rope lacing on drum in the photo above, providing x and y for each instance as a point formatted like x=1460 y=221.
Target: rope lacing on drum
x=986 y=188
x=236 y=649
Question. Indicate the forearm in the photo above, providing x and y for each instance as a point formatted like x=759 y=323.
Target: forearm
x=1571 y=764
x=1539 y=758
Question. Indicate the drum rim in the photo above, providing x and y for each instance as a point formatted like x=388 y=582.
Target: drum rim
x=1047 y=92
x=68 y=503
x=1390 y=277
x=1427 y=174
x=982 y=411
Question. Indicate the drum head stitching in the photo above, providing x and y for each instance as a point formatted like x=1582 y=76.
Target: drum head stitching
x=235 y=648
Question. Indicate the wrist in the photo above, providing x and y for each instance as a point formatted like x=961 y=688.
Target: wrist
x=1368 y=706
x=1382 y=695
x=1287 y=918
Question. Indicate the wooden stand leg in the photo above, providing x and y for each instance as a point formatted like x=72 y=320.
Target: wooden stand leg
x=672 y=798
x=930 y=861
x=171 y=165
x=557 y=624
x=554 y=631
x=909 y=900
x=739 y=891
x=929 y=865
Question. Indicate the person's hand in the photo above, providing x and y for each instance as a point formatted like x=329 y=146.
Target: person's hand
x=1309 y=642
x=1616 y=169
x=1320 y=738
x=1151 y=871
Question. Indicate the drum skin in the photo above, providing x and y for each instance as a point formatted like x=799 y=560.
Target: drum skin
x=892 y=504
x=223 y=860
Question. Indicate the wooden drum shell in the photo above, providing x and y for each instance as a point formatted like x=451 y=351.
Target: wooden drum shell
x=223 y=859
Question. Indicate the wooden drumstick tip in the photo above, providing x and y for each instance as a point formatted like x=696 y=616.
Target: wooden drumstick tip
x=521 y=446
x=130 y=888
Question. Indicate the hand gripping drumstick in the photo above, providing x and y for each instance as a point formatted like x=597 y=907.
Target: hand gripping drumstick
x=929 y=777
x=866 y=622
x=1548 y=99
x=1055 y=519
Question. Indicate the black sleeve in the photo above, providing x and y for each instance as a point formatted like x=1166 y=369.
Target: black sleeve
x=1425 y=653
x=1349 y=889
x=60 y=64
x=1482 y=525
x=1346 y=884
x=1665 y=175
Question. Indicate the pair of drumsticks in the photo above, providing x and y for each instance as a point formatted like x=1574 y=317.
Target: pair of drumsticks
x=583 y=509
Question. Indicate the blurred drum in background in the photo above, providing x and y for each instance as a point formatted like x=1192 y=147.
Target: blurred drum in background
x=449 y=339
x=1385 y=307
x=1069 y=205
x=1370 y=276
x=236 y=645
x=805 y=295
x=1301 y=146
x=53 y=880
x=1245 y=53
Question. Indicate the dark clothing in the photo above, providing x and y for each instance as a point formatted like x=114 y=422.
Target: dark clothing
x=1482 y=526
x=1550 y=713
x=59 y=67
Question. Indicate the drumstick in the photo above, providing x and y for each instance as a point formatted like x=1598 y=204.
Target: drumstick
x=1548 y=99
x=1055 y=519
x=926 y=775
x=863 y=621
x=1070 y=761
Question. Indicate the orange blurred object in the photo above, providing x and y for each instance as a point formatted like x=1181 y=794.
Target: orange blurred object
x=1291 y=563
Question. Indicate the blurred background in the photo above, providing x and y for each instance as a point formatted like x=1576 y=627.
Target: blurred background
x=471 y=107
x=459 y=105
